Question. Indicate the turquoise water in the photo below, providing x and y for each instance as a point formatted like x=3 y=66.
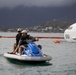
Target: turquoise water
x=63 y=57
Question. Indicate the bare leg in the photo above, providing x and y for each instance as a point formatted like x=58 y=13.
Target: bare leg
x=16 y=50
x=14 y=47
x=20 y=50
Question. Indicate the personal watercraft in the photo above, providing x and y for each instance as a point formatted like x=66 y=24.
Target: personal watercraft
x=32 y=52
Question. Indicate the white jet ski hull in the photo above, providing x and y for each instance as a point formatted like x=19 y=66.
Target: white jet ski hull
x=27 y=58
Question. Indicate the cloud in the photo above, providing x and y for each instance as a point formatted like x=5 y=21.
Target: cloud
x=40 y=3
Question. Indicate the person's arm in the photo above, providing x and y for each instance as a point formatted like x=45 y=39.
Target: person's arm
x=17 y=39
x=34 y=38
x=37 y=39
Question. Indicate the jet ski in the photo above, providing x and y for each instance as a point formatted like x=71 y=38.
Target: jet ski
x=32 y=52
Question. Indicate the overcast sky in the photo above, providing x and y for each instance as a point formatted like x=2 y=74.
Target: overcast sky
x=40 y=3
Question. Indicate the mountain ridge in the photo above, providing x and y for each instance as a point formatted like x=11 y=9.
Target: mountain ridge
x=57 y=26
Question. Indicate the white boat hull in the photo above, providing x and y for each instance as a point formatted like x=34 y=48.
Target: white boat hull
x=70 y=33
x=26 y=58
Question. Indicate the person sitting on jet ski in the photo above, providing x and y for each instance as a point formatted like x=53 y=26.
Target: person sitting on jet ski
x=24 y=40
x=18 y=36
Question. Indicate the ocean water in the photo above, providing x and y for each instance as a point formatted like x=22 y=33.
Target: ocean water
x=63 y=57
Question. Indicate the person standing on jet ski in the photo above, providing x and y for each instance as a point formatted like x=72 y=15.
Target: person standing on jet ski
x=24 y=40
